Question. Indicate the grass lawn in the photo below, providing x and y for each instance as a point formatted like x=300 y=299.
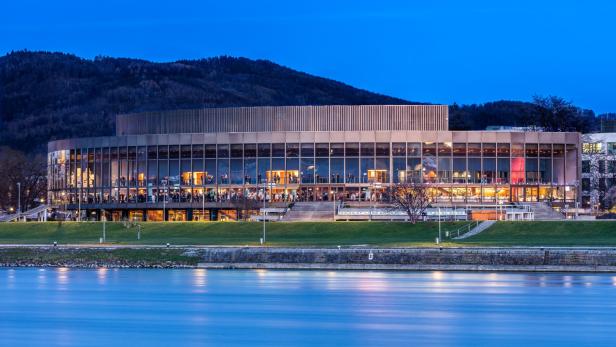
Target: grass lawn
x=392 y=234
x=546 y=233
x=229 y=233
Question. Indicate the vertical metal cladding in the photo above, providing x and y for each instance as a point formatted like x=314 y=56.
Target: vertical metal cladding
x=286 y=118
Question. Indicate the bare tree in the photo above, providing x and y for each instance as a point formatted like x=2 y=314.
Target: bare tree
x=610 y=198
x=30 y=172
x=412 y=197
x=594 y=156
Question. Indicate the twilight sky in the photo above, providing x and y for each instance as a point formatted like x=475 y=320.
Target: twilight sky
x=440 y=51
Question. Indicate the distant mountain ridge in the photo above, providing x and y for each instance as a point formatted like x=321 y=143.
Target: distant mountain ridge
x=46 y=96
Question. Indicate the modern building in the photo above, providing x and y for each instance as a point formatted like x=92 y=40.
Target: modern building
x=219 y=163
x=598 y=168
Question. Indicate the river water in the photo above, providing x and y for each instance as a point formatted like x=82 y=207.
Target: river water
x=108 y=307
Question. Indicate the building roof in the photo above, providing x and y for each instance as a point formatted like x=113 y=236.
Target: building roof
x=286 y=118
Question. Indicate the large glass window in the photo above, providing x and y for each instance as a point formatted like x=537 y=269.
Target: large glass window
x=545 y=171
x=503 y=170
x=382 y=149
x=237 y=151
x=459 y=170
x=367 y=167
x=174 y=152
x=429 y=168
x=307 y=170
x=250 y=171
x=278 y=171
x=210 y=151
x=503 y=150
x=381 y=172
x=250 y=150
x=163 y=152
x=367 y=149
x=399 y=169
x=474 y=170
x=307 y=150
x=186 y=172
x=223 y=171
x=414 y=170
x=292 y=170
x=474 y=150
x=321 y=170
x=237 y=173
x=174 y=172
x=352 y=170
x=278 y=150
x=444 y=170
x=444 y=149
x=152 y=173
x=336 y=150
x=517 y=150
x=337 y=170
x=532 y=150
x=489 y=170
x=292 y=150
x=321 y=150
x=532 y=170
x=352 y=149
x=210 y=171
x=413 y=149
x=545 y=150
x=459 y=150
x=429 y=149
x=517 y=170
x=223 y=151
x=263 y=167
x=398 y=149
x=264 y=150
x=163 y=172
x=489 y=149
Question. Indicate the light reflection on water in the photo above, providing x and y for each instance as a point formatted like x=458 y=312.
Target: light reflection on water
x=101 y=307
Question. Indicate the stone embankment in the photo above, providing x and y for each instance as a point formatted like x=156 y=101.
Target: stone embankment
x=460 y=259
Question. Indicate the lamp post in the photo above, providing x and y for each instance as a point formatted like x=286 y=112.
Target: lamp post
x=104 y=218
x=264 y=198
x=439 y=225
x=164 y=200
x=79 y=184
x=18 y=197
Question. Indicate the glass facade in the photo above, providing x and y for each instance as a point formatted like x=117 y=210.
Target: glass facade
x=213 y=173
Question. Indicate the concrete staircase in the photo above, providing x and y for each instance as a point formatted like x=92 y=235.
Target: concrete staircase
x=310 y=212
x=476 y=230
x=543 y=211
x=39 y=213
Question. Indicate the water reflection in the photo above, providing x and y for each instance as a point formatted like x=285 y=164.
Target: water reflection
x=62 y=276
x=102 y=275
x=199 y=280
x=269 y=307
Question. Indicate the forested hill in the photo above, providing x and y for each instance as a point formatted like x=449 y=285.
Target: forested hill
x=46 y=96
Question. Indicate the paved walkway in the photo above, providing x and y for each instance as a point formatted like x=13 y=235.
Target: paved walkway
x=476 y=230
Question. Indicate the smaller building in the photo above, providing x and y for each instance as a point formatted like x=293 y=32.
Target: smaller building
x=598 y=169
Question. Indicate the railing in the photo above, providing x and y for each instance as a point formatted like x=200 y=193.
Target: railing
x=462 y=230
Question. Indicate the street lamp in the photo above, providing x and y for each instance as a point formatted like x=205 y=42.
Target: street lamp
x=18 y=197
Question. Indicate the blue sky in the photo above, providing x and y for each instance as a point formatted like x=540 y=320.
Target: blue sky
x=432 y=51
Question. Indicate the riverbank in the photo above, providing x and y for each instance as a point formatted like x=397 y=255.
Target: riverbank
x=313 y=234
x=356 y=258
